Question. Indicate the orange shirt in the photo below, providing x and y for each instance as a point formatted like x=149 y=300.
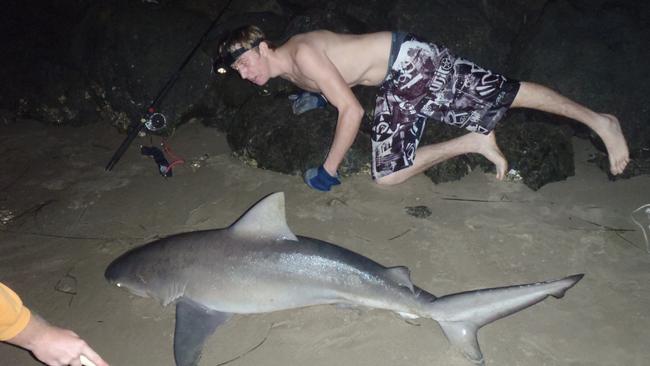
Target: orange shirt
x=13 y=315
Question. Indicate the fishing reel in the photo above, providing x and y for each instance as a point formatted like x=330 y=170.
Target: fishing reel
x=154 y=121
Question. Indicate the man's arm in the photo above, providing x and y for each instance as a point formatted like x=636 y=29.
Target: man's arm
x=53 y=345
x=317 y=67
x=50 y=344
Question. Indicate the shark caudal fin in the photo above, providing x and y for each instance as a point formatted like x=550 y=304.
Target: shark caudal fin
x=461 y=315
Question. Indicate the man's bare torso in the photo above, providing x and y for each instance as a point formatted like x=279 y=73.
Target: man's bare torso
x=360 y=59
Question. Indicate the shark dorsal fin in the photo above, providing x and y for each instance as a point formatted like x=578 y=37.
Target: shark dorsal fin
x=265 y=220
x=401 y=275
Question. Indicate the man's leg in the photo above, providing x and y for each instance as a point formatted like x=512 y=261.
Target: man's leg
x=429 y=155
x=539 y=97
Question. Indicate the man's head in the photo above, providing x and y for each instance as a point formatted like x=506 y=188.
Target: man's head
x=242 y=49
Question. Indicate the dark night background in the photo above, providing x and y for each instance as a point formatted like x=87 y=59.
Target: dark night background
x=77 y=62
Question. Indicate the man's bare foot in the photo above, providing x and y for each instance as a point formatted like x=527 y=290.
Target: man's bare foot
x=610 y=132
x=486 y=145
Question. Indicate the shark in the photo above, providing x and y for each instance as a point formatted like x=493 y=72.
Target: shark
x=258 y=265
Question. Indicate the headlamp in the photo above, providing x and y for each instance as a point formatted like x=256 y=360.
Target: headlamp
x=219 y=67
x=226 y=58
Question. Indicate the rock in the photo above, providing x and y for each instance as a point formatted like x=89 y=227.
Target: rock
x=589 y=51
x=452 y=169
x=317 y=18
x=482 y=32
x=540 y=152
x=420 y=212
x=130 y=50
x=639 y=164
x=40 y=80
x=107 y=61
x=535 y=145
x=266 y=134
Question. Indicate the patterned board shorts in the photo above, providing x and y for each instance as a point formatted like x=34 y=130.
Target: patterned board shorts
x=425 y=81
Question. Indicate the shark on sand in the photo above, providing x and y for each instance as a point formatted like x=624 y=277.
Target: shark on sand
x=257 y=265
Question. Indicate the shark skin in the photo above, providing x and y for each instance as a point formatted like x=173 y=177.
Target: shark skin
x=258 y=265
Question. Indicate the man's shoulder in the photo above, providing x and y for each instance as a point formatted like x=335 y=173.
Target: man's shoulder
x=306 y=44
x=310 y=39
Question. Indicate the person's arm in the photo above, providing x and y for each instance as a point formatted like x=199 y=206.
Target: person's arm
x=13 y=315
x=316 y=66
x=51 y=345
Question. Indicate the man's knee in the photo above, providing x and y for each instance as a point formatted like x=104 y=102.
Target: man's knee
x=528 y=95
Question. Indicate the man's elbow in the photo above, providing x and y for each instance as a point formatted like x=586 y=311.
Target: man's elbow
x=355 y=113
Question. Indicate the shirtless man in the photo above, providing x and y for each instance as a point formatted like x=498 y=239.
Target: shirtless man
x=417 y=80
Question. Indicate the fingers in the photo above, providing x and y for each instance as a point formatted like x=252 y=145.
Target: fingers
x=85 y=361
x=90 y=358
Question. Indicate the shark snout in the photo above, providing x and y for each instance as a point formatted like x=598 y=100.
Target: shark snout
x=110 y=274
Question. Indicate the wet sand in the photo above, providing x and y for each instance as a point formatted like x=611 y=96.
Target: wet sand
x=67 y=219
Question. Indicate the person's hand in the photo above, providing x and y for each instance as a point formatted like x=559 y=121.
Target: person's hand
x=55 y=346
x=305 y=101
x=320 y=179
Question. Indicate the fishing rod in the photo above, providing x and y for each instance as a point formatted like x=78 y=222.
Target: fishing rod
x=152 y=119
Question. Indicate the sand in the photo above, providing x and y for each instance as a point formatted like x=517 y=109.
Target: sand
x=66 y=219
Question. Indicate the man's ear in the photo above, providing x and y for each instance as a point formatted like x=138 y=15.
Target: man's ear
x=264 y=48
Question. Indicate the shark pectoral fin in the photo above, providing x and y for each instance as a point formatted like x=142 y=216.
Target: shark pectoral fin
x=194 y=324
x=401 y=275
x=462 y=335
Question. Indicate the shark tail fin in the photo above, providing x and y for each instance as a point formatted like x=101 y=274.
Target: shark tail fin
x=461 y=315
x=571 y=280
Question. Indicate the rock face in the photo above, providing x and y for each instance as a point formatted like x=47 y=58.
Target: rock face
x=131 y=50
x=593 y=52
x=80 y=62
x=268 y=135
x=38 y=79
x=537 y=152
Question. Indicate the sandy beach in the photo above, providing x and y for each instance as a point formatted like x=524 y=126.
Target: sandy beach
x=65 y=219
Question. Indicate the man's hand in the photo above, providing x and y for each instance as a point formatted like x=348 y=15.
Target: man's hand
x=55 y=346
x=320 y=179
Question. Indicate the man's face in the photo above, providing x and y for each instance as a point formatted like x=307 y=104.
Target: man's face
x=251 y=67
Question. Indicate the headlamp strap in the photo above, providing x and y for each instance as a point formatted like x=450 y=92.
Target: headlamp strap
x=232 y=56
